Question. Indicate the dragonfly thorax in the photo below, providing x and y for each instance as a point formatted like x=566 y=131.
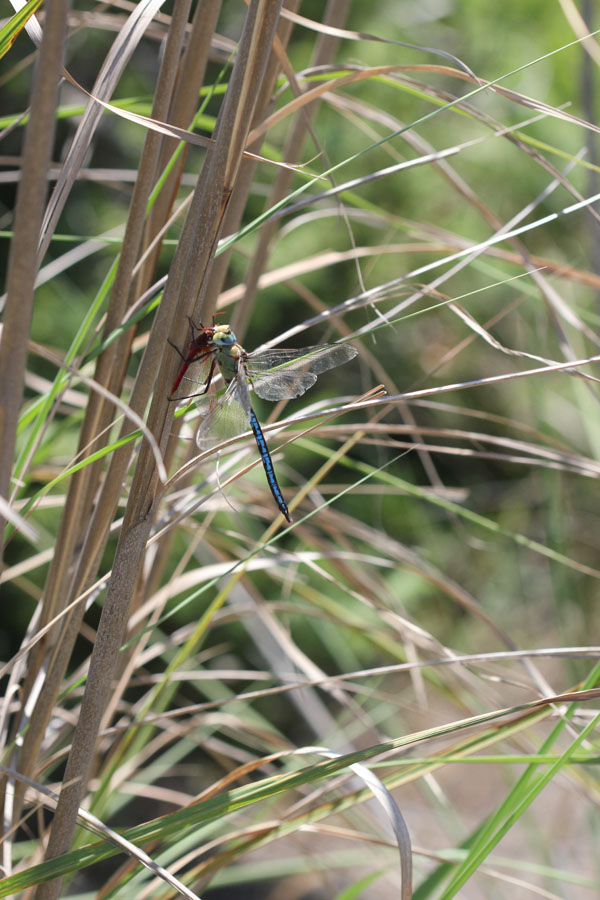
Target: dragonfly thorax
x=229 y=353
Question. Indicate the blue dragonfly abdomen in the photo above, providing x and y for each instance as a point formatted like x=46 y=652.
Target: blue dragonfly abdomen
x=267 y=462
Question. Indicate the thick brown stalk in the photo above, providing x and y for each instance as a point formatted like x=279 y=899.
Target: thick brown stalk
x=324 y=53
x=22 y=263
x=190 y=267
x=246 y=174
x=183 y=108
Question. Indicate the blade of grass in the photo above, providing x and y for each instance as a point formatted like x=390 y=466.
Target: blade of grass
x=14 y=26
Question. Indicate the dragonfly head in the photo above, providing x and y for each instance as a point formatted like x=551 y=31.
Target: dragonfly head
x=224 y=336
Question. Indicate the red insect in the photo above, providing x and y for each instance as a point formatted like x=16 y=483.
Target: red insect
x=199 y=346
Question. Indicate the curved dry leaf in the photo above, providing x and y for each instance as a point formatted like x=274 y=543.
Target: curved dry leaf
x=182 y=134
x=390 y=808
x=321 y=28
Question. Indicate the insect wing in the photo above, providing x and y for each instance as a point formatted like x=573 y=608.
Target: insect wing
x=191 y=379
x=264 y=360
x=295 y=370
x=284 y=384
x=229 y=418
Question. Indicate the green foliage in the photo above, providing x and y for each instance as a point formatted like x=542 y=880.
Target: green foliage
x=429 y=611
x=14 y=26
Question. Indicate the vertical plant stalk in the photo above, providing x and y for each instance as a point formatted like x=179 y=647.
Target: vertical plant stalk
x=181 y=113
x=61 y=586
x=324 y=51
x=239 y=197
x=184 y=104
x=112 y=363
x=183 y=108
x=248 y=167
x=22 y=264
x=190 y=269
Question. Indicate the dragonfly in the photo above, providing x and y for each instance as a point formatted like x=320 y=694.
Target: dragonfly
x=272 y=374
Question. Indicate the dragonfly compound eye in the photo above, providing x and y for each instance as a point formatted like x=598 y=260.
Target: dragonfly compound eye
x=224 y=336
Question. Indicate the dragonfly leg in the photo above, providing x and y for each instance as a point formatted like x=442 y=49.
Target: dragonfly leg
x=250 y=380
x=193 y=329
x=209 y=377
x=176 y=349
x=207 y=383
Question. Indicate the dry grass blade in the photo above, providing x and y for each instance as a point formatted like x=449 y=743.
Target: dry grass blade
x=327 y=28
x=10 y=515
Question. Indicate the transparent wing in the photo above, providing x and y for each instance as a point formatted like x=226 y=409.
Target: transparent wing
x=316 y=359
x=283 y=374
x=230 y=418
x=279 y=385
